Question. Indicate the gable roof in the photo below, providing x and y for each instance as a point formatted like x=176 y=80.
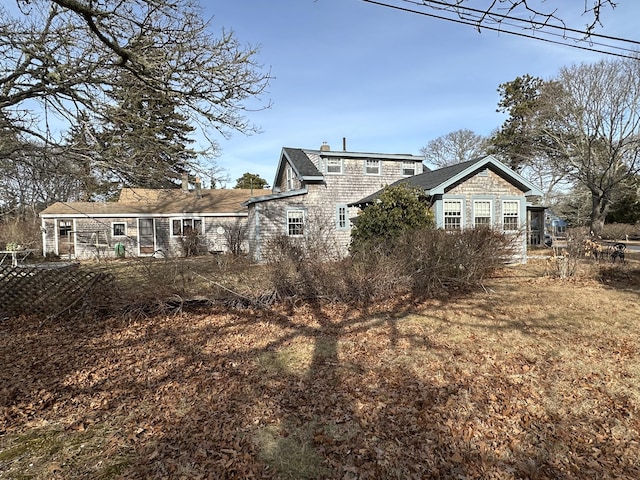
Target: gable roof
x=436 y=182
x=302 y=161
x=301 y=164
x=138 y=201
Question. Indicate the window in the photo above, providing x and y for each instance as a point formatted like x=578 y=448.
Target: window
x=453 y=215
x=482 y=213
x=185 y=226
x=289 y=177
x=295 y=223
x=408 y=168
x=341 y=217
x=64 y=227
x=372 y=167
x=118 y=229
x=334 y=165
x=510 y=209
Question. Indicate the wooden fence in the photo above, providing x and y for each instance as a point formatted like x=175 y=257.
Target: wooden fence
x=51 y=292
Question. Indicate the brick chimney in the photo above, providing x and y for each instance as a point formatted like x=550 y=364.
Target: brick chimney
x=325 y=147
x=198 y=188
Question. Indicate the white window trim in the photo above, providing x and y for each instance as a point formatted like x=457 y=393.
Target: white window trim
x=444 y=213
x=413 y=164
x=289 y=177
x=304 y=222
x=339 y=164
x=181 y=220
x=518 y=214
x=113 y=234
x=379 y=162
x=491 y=210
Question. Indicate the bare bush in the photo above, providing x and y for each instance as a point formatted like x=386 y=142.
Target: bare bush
x=619 y=232
x=422 y=263
x=235 y=236
x=438 y=261
x=25 y=232
x=191 y=243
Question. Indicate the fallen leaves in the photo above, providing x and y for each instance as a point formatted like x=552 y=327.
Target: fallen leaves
x=486 y=386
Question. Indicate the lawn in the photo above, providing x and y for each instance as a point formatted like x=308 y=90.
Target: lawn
x=532 y=377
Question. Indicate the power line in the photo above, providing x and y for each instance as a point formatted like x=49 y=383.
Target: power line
x=631 y=53
x=534 y=23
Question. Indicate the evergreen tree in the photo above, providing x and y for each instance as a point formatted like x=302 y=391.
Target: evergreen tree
x=145 y=138
x=251 y=180
x=397 y=210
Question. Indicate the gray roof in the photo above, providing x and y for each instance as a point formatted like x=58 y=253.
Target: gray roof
x=433 y=178
x=301 y=162
x=435 y=181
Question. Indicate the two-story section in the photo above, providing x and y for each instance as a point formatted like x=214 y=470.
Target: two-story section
x=312 y=191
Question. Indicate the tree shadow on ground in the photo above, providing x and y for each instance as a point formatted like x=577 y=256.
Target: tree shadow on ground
x=319 y=391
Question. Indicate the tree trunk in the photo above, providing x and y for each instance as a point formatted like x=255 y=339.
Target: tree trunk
x=599 y=207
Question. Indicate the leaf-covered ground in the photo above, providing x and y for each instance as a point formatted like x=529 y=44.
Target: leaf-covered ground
x=532 y=378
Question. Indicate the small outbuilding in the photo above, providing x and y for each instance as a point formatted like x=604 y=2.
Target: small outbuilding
x=146 y=222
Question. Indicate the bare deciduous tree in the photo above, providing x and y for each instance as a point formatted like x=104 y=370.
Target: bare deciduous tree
x=585 y=123
x=454 y=147
x=60 y=59
x=538 y=14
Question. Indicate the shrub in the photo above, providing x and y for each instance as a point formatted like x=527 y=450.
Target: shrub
x=421 y=263
x=235 y=235
x=398 y=209
x=619 y=231
x=437 y=261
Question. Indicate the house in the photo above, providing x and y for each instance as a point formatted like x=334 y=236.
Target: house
x=479 y=192
x=313 y=192
x=145 y=222
x=318 y=191
x=554 y=225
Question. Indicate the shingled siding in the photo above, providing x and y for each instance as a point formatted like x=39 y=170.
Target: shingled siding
x=492 y=185
x=268 y=219
x=495 y=188
x=85 y=237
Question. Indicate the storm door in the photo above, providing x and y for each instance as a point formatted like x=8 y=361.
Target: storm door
x=66 y=238
x=146 y=236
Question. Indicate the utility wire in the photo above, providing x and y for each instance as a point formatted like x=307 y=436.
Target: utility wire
x=632 y=53
x=536 y=24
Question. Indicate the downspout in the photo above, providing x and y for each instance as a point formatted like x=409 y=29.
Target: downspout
x=257 y=230
x=43 y=229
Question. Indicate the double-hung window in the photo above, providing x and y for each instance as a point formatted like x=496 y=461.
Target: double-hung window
x=334 y=166
x=408 y=169
x=185 y=226
x=510 y=215
x=482 y=213
x=453 y=214
x=295 y=223
x=372 y=166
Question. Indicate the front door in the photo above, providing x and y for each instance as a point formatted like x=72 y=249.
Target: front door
x=66 y=238
x=146 y=236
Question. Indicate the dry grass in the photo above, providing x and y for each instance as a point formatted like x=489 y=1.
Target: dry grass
x=533 y=378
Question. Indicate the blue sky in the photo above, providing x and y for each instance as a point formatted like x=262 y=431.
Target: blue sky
x=389 y=81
